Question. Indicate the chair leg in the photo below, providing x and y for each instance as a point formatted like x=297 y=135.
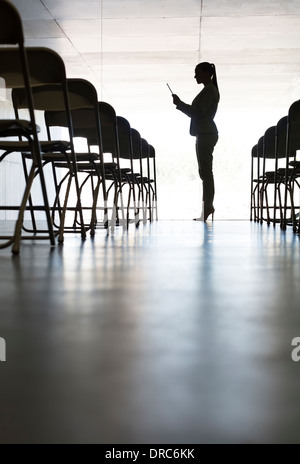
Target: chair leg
x=46 y=202
x=63 y=215
x=94 y=208
x=267 y=205
x=275 y=204
x=83 y=231
x=125 y=223
x=261 y=203
x=33 y=221
x=78 y=206
x=20 y=220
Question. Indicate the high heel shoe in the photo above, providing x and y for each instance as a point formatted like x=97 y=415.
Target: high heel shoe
x=208 y=212
x=205 y=214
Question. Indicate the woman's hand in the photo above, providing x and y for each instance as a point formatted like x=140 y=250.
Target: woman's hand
x=176 y=99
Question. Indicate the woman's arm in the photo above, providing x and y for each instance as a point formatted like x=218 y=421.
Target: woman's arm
x=184 y=107
x=200 y=106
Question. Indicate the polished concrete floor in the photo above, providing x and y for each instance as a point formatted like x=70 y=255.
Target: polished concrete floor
x=176 y=333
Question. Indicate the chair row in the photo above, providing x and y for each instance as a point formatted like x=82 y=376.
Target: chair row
x=275 y=173
x=90 y=191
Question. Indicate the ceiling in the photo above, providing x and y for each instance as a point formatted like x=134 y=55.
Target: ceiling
x=130 y=49
x=144 y=43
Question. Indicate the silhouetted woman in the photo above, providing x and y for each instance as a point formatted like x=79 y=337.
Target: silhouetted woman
x=202 y=112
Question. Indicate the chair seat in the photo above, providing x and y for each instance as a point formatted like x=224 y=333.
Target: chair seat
x=144 y=180
x=271 y=177
x=90 y=166
x=295 y=164
x=125 y=173
x=55 y=145
x=61 y=157
x=124 y=170
x=16 y=128
x=84 y=166
x=283 y=171
x=24 y=147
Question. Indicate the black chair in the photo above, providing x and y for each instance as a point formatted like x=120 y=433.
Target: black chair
x=90 y=168
x=76 y=93
x=153 y=181
x=84 y=115
x=147 y=178
x=280 y=171
x=268 y=176
x=141 y=180
x=254 y=214
x=292 y=173
x=111 y=145
x=129 y=176
x=292 y=165
x=14 y=69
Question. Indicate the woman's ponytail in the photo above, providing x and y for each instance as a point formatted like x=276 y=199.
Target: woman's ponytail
x=214 y=75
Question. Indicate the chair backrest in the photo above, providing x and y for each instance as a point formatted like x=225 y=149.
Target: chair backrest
x=45 y=66
x=146 y=155
x=136 y=141
x=270 y=143
x=294 y=128
x=152 y=156
x=109 y=130
x=254 y=151
x=83 y=123
x=11 y=28
x=83 y=104
x=11 y=33
x=294 y=112
x=48 y=97
x=281 y=134
x=145 y=149
x=125 y=142
x=152 y=153
x=260 y=147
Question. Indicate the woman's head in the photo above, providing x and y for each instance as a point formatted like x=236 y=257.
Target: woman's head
x=206 y=72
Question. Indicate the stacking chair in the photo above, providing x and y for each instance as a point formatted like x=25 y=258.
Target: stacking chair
x=272 y=146
x=268 y=177
x=88 y=164
x=150 y=182
x=153 y=180
x=111 y=145
x=144 y=174
x=84 y=116
x=47 y=71
x=285 y=177
x=141 y=181
x=279 y=142
x=258 y=153
x=14 y=70
x=254 y=184
x=280 y=171
x=292 y=166
x=84 y=126
x=129 y=177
